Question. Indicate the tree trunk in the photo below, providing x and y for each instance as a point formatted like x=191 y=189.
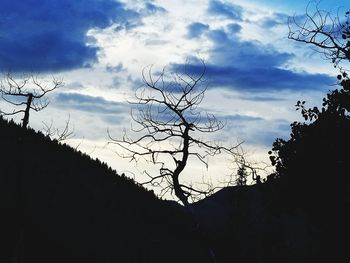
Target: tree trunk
x=26 y=113
x=179 y=168
x=183 y=198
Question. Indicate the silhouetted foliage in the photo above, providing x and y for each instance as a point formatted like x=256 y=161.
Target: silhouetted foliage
x=312 y=170
x=241 y=176
x=312 y=174
x=315 y=155
x=301 y=213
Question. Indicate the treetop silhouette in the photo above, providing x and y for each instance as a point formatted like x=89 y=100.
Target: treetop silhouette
x=314 y=158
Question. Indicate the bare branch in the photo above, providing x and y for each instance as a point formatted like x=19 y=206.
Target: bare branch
x=60 y=135
x=167 y=117
x=27 y=92
x=328 y=34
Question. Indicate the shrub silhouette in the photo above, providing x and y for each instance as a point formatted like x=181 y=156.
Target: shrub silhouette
x=315 y=155
x=312 y=171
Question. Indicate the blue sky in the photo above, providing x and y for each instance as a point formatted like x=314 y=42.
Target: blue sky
x=254 y=73
x=300 y=5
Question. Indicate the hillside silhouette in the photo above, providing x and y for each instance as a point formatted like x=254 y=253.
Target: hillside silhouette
x=59 y=205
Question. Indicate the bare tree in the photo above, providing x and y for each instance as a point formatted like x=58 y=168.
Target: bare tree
x=58 y=134
x=27 y=92
x=169 y=125
x=329 y=34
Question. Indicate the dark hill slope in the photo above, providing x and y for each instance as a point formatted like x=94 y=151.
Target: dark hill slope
x=59 y=205
x=256 y=224
x=245 y=223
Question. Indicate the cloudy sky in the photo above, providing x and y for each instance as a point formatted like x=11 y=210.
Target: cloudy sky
x=99 y=47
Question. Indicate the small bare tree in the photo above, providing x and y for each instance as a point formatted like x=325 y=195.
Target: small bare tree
x=330 y=35
x=246 y=171
x=57 y=134
x=170 y=122
x=27 y=92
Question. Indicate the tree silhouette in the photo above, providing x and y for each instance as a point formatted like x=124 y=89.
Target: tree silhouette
x=170 y=123
x=27 y=92
x=312 y=171
x=316 y=143
x=314 y=156
x=241 y=176
x=329 y=34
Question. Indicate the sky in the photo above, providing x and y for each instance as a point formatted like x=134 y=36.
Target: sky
x=99 y=48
